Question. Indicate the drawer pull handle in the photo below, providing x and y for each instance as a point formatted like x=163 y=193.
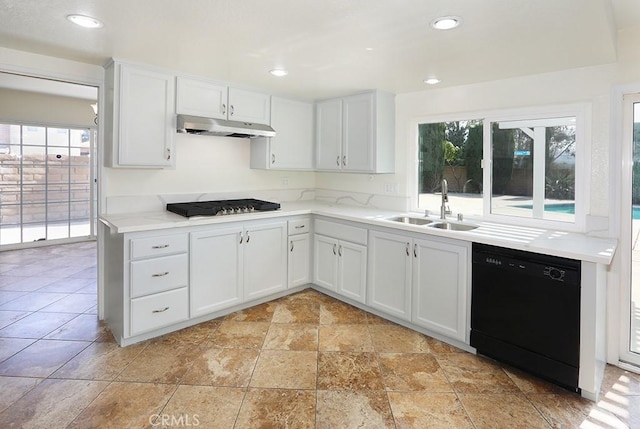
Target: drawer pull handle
x=248 y=237
x=340 y=250
x=160 y=246
x=334 y=249
x=241 y=238
x=299 y=226
x=160 y=274
x=415 y=250
x=406 y=249
x=160 y=311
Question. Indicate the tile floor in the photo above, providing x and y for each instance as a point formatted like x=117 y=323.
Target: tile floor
x=301 y=361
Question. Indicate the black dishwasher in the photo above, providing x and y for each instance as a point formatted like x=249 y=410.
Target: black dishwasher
x=525 y=311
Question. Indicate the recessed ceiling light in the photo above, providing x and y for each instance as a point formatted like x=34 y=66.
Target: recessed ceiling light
x=84 y=21
x=279 y=72
x=432 y=80
x=445 y=22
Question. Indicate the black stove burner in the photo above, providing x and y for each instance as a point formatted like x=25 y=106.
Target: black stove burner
x=222 y=207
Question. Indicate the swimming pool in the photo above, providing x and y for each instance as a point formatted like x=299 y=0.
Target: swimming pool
x=570 y=208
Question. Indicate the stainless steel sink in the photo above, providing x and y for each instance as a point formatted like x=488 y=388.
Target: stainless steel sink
x=411 y=220
x=452 y=226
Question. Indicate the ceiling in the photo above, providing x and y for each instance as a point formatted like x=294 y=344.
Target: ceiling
x=329 y=47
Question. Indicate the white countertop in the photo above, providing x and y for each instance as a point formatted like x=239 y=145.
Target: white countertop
x=556 y=243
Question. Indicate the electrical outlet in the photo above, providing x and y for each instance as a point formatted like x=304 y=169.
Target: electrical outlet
x=284 y=181
x=391 y=188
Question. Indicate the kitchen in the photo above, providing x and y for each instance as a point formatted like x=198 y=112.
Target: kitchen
x=224 y=162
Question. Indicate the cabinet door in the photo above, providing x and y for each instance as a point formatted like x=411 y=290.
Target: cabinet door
x=249 y=106
x=299 y=260
x=440 y=280
x=389 y=268
x=145 y=126
x=325 y=264
x=215 y=270
x=358 y=133
x=265 y=259
x=292 y=147
x=329 y=135
x=352 y=270
x=201 y=98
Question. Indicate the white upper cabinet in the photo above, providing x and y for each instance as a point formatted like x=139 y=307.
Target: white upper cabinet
x=292 y=147
x=140 y=119
x=199 y=97
x=356 y=133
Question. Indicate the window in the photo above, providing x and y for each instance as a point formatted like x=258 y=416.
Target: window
x=533 y=162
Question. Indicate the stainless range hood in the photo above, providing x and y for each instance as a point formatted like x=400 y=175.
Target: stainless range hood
x=221 y=127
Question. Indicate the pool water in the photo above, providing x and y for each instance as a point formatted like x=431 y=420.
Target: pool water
x=570 y=208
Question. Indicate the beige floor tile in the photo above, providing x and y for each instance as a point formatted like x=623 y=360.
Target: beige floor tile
x=620 y=381
x=222 y=367
x=437 y=347
x=412 y=371
x=372 y=319
x=100 y=361
x=202 y=406
x=13 y=388
x=259 y=313
x=513 y=412
x=345 y=338
x=291 y=336
x=341 y=313
x=36 y=325
x=428 y=411
x=310 y=296
x=528 y=383
x=85 y=327
x=569 y=410
x=51 y=404
x=468 y=373
x=159 y=363
x=285 y=369
x=352 y=409
x=297 y=312
x=397 y=339
x=41 y=358
x=193 y=335
x=11 y=346
x=125 y=405
x=248 y=335
x=7 y=317
x=349 y=371
x=277 y=408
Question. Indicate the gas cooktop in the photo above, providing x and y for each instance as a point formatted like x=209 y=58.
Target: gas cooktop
x=221 y=207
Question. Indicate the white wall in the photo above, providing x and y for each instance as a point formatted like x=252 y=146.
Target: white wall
x=204 y=164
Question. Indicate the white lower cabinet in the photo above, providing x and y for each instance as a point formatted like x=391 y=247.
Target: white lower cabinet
x=389 y=287
x=440 y=283
x=340 y=266
x=159 y=310
x=230 y=265
x=424 y=281
x=299 y=260
x=215 y=270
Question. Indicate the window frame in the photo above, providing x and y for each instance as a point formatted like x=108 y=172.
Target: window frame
x=582 y=113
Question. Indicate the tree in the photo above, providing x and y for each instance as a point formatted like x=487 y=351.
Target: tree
x=472 y=156
x=430 y=156
x=503 y=145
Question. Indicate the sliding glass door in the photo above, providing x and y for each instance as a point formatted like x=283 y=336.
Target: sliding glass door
x=47 y=183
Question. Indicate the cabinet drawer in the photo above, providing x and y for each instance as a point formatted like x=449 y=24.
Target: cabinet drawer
x=158 y=274
x=300 y=226
x=341 y=231
x=158 y=246
x=158 y=310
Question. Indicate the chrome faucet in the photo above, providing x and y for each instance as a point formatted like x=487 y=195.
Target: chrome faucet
x=444 y=208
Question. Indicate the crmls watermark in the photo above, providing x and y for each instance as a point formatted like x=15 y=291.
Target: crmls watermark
x=170 y=420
